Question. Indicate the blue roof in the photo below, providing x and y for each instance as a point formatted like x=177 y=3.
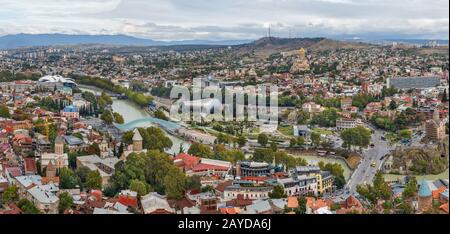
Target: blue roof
x=71 y=108
x=424 y=190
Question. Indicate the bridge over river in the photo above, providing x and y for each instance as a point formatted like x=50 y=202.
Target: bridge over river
x=170 y=127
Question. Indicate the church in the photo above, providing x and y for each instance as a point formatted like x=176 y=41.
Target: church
x=136 y=147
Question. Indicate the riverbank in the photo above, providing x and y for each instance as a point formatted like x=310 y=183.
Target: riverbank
x=132 y=112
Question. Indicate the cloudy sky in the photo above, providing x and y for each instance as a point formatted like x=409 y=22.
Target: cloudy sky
x=229 y=19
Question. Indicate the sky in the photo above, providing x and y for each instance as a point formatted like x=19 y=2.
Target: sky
x=229 y=19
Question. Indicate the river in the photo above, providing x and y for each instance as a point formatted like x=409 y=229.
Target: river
x=131 y=112
x=314 y=160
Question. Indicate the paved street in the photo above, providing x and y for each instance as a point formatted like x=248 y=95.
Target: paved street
x=365 y=171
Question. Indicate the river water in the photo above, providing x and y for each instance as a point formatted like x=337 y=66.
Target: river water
x=131 y=112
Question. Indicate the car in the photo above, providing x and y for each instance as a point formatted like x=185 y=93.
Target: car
x=372 y=145
x=373 y=164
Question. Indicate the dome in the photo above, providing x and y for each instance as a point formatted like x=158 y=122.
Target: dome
x=424 y=190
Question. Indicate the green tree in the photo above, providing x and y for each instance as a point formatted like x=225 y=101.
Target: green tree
x=93 y=180
x=392 y=105
x=359 y=136
x=300 y=141
x=68 y=179
x=10 y=194
x=65 y=202
x=292 y=142
x=27 y=207
x=107 y=117
x=301 y=206
x=4 y=112
x=159 y=114
x=200 y=150
x=82 y=173
x=140 y=187
x=410 y=189
x=273 y=146
x=194 y=182
x=315 y=138
x=119 y=118
x=241 y=140
x=277 y=192
x=379 y=190
x=263 y=155
x=263 y=139
x=175 y=183
x=405 y=134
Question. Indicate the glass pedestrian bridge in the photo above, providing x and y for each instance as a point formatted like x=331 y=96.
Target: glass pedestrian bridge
x=145 y=122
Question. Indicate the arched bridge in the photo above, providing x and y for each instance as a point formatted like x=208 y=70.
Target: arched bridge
x=166 y=125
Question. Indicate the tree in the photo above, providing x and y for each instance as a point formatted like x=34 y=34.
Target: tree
x=379 y=190
x=159 y=114
x=155 y=139
x=223 y=139
x=300 y=141
x=65 y=202
x=68 y=179
x=175 y=183
x=336 y=170
x=444 y=96
x=263 y=139
x=301 y=206
x=359 y=136
x=410 y=189
x=273 y=146
x=140 y=187
x=4 y=112
x=392 y=105
x=119 y=118
x=292 y=142
x=263 y=155
x=194 y=182
x=315 y=138
x=277 y=192
x=405 y=134
x=381 y=187
x=10 y=194
x=241 y=140
x=82 y=173
x=200 y=150
x=93 y=180
x=154 y=168
x=27 y=207
x=107 y=117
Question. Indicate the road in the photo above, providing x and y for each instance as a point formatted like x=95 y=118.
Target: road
x=365 y=171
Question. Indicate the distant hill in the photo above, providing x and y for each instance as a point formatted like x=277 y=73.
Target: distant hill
x=266 y=46
x=29 y=40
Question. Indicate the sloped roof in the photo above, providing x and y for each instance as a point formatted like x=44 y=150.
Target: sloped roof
x=424 y=190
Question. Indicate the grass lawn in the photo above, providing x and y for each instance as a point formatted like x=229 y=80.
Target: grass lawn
x=323 y=131
x=286 y=130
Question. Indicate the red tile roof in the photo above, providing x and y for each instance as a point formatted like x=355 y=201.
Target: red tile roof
x=188 y=160
x=206 y=167
x=30 y=165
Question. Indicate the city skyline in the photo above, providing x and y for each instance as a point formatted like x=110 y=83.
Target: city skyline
x=230 y=20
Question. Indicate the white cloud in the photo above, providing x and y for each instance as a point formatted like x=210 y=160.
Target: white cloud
x=231 y=19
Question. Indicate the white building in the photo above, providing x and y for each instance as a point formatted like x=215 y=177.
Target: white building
x=105 y=166
x=342 y=124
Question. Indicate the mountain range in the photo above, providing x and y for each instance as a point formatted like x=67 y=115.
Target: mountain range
x=28 y=40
